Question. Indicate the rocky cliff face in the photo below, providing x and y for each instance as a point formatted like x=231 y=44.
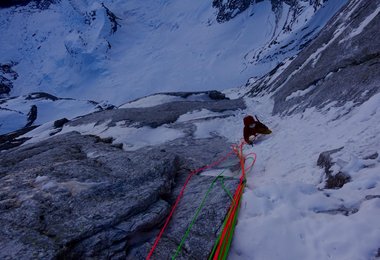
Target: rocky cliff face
x=7 y=76
x=227 y=10
x=341 y=65
x=81 y=196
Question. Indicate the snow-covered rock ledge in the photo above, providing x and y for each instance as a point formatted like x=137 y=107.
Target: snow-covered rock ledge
x=72 y=195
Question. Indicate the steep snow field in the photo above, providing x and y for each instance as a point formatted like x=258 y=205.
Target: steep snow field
x=176 y=46
x=287 y=213
x=73 y=49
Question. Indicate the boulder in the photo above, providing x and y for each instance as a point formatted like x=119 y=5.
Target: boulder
x=60 y=122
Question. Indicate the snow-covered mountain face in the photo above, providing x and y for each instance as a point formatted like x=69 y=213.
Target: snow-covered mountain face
x=313 y=192
x=121 y=50
x=340 y=66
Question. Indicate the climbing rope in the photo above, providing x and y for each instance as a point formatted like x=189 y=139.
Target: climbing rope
x=198 y=210
x=191 y=174
x=221 y=247
x=223 y=243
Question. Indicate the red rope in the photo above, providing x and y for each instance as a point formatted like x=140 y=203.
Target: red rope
x=237 y=149
x=226 y=233
x=179 y=198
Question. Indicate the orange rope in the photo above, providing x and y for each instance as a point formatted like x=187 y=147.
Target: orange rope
x=226 y=236
x=179 y=198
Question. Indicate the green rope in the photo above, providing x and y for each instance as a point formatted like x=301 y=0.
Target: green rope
x=218 y=239
x=223 y=226
x=228 y=241
x=218 y=177
x=225 y=189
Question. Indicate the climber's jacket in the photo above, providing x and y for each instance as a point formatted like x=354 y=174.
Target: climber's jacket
x=249 y=128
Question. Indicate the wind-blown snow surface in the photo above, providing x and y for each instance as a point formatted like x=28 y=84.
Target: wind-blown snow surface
x=69 y=49
x=284 y=214
x=286 y=211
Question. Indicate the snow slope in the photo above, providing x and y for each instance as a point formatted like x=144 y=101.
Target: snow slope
x=74 y=49
x=287 y=213
x=14 y=111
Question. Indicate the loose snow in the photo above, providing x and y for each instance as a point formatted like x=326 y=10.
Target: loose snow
x=286 y=212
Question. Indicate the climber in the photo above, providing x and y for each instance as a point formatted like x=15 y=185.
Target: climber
x=253 y=127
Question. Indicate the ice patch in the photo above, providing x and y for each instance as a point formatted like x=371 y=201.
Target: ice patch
x=300 y=93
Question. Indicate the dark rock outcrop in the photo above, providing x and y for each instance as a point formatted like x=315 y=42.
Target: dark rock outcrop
x=332 y=180
x=342 y=210
x=217 y=95
x=60 y=122
x=7 y=76
x=112 y=18
x=9 y=3
x=211 y=94
x=32 y=116
x=43 y=4
x=5 y=86
x=41 y=95
x=11 y=140
x=229 y=9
